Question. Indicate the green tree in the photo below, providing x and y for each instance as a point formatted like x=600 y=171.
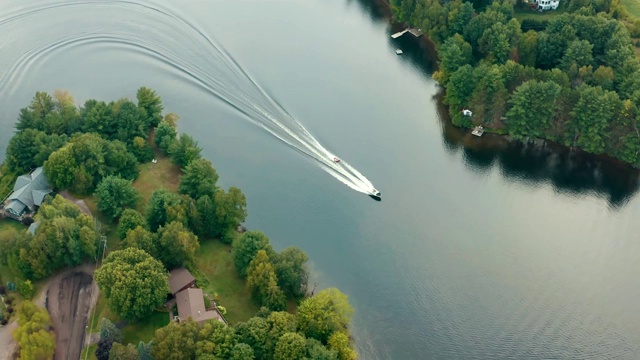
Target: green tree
x=339 y=342
x=527 y=48
x=109 y=331
x=143 y=239
x=533 y=105
x=454 y=53
x=208 y=219
x=263 y=282
x=323 y=314
x=33 y=336
x=182 y=336
x=176 y=245
x=133 y=283
x=122 y=352
x=115 y=194
x=316 y=351
x=157 y=205
x=32 y=117
x=494 y=43
x=603 y=77
x=184 y=150
x=217 y=339
x=144 y=350
x=150 y=102
x=479 y=24
x=255 y=333
x=165 y=136
x=129 y=220
x=246 y=247
x=130 y=119
x=578 y=53
x=242 y=352
x=231 y=209
x=280 y=322
x=292 y=272
x=199 y=179
x=591 y=117
x=30 y=148
x=141 y=149
x=25 y=288
x=291 y=346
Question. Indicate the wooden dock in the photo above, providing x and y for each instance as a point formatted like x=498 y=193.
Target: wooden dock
x=413 y=31
x=478 y=131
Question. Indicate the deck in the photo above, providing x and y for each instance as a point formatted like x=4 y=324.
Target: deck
x=413 y=31
x=478 y=131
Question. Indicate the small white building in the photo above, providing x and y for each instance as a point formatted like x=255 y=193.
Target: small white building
x=466 y=112
x=547 y=4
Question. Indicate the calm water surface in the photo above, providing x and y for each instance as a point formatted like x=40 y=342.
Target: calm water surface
x=479 y=249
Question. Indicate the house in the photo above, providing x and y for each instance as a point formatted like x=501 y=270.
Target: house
x=180 y=279
x=190 y=304
x=466 y=112
x=28 y=193
x=547 y=4
x=190 y=299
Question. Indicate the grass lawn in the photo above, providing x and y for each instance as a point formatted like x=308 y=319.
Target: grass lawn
x=101 y=311
x=144 y=329
x=633 y=7
x=8 y=228
x=215 y=261
x=522 y=14
x=92 y=352
x=163 y=174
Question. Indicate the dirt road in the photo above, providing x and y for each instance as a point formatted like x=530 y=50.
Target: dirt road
x=70 y=298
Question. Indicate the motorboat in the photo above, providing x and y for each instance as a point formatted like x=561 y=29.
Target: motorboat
x=336 y=160
x=375 y=192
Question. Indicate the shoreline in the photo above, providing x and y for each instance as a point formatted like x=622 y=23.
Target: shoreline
x=426 y=44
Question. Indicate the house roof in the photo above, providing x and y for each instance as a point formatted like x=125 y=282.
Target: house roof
x=29 y=190
x=16 y=206
x=191 y=305
x=179 y=278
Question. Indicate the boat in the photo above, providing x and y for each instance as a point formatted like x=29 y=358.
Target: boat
x=336 y=160
x=376 y=193
x=398 y=52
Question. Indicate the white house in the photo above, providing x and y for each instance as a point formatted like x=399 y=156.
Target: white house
x=466 y=112
x=547 y=4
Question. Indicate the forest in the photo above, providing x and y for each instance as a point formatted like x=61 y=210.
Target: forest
x=573 y=78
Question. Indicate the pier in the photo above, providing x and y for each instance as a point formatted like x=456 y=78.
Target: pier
x=413 y=31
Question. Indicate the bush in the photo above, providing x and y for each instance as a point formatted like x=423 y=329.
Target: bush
x=3 y=290
x=10 y=310
x=222 y=310
x=3 y=322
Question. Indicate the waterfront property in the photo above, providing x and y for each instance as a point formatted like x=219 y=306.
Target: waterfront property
x=190 y=299
x=28 y=194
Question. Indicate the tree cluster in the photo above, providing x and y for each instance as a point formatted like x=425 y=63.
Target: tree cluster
x=65 y=237
x=317 y=332
x=34 y=334
x=574 y=79
x=271 y=276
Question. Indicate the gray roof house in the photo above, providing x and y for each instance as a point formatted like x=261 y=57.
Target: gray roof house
x=28 y=192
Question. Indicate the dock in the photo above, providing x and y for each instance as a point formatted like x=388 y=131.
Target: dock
x=413 y=31
x=478 y=131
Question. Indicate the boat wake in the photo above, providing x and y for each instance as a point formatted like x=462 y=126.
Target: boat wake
x=173 y=40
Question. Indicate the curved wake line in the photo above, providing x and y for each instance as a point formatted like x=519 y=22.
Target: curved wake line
x=233 y=85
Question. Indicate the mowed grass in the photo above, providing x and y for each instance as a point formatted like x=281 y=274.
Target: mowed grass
x=163 y=174
x=633 y=7
x=144 y=329
x=215 y=260
x=89 y=352
x=547 y=15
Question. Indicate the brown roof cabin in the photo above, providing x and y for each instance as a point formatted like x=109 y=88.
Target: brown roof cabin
x=191 y=305
x=180 y=279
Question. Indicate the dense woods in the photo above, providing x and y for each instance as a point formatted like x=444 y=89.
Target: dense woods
x=574 y=79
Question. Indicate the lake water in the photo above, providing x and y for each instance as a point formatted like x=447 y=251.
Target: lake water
x=479 y=249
